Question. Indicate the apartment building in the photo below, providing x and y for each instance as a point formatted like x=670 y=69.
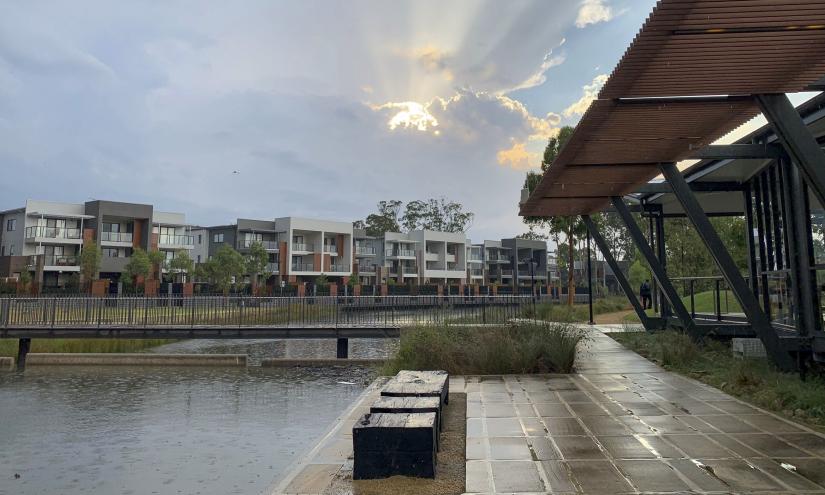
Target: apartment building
x=528 y=260
x=475 y=263
x=46 y=238
x=401 y=259
x=442 y=256
x=497 y=264
x=316 y=247
x=368 y=254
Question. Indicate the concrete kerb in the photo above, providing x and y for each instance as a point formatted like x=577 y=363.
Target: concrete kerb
x=6 y=364
x=135 y=359
x=317 y=363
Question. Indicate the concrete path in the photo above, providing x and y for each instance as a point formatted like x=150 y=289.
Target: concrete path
x=624 y=425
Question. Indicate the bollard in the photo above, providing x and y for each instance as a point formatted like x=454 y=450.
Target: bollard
x=23 y=347
x=342 y=350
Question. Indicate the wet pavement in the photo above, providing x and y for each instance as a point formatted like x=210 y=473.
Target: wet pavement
x=624 y=425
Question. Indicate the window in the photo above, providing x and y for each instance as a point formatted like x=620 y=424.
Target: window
x=199 y=256
x=217 y=238
x=112 y=253
x=11 y=249
x=200 y=239
x=11 y=224
x=2 y=250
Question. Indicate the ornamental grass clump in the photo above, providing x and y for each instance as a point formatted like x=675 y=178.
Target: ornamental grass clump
x=507 y=349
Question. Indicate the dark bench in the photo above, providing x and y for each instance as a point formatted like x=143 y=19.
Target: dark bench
x=400 y=434
x=388 y=444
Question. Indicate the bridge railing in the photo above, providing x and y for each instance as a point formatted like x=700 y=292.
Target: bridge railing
x=229 y=312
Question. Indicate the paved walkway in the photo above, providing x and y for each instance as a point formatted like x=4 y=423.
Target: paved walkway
x=624 y=425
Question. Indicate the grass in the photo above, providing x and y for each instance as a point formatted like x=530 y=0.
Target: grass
x=578 y=312
x=8 y=347
x=704 y=302
x=507 y=349
x=752 y=380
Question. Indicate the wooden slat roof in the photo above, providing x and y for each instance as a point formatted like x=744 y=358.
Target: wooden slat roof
x=684 y=82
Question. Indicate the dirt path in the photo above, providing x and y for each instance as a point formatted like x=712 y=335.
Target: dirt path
x=617 y=317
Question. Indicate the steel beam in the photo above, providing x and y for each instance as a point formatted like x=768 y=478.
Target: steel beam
x=617 y=271
x=658 y=270
x=735 y=151
x=664 y=187
x=753 y=273
x=797 y=140
x=759 y=322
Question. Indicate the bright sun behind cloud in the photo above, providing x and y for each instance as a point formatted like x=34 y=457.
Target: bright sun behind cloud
x=409 y=115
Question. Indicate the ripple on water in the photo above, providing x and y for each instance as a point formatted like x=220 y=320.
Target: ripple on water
x=166 y=430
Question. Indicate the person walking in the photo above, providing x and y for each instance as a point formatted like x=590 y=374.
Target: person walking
x=644 y=293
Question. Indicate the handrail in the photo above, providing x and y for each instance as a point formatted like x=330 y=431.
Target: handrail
x=52 y=232
x=116 y=236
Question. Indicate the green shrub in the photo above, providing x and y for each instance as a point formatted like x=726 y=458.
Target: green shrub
x=517 y=348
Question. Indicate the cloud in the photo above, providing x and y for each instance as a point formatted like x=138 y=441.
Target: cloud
x=593 y=12
x=539 y=77
x=590 y=91
x=517 y=157
x=409 y=115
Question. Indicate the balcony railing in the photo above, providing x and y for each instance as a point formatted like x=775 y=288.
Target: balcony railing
x=330 y=248
x=299 y=246
x=52 y=232
x=409 y=270
x=116 y=236
x=302 y=267
x=339 y=268
x=176 y=240
x=268 y=245
x=365 y=250
x=366 y=269
x=475 y=257
x=507 y=272
x=271 y=268
x=476 y=272
x=55 y=260
x=400 y=252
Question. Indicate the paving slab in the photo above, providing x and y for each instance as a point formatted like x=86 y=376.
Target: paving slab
x=621 y=424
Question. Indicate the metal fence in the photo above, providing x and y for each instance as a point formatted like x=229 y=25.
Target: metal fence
x=239 y=311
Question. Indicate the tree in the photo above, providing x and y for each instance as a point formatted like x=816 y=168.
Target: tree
x=157 y=260
x=386 y=220
x=90 y=257
x=138 y=266
x=255 y=262
x=571 y=226
x=25 y=278
x=439 y=215
x=226 y=266
x=359 y=224
x=181 y=263
x=321 y=281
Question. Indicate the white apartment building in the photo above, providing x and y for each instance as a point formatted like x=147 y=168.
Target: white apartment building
x=316 y=247
x=475 y=263
x=442 y=256
x=171 y=234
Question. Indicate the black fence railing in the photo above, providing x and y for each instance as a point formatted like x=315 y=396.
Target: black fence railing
x=239 y=311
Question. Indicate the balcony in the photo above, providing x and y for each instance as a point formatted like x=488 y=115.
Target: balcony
x=299 y=246
x=268 y=245
x=271 y=268
x=409 y=270
x=52 y=233
x=56 y=262
x=364 y=251
x=303 y=267
x=339 y=268
x=331 y=249
x=507 y=272
x=362 y=269
x=116 y=237
x=400 y=253
x=176 y=240
x=475 y=258
x=476 y=272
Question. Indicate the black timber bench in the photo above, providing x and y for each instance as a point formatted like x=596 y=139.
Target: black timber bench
x=400 y=434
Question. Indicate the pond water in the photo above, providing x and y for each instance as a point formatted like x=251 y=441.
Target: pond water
x=143 y=430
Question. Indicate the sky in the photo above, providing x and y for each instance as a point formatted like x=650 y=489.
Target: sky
x=264 y=109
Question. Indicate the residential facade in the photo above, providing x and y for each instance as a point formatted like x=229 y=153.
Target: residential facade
x=46 y=238
x=528 y=260
x=497 y=264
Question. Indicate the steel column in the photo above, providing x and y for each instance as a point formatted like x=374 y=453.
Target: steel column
x=23 y=347
x=798 y=254
x=753 y=274
x=661 y=254
x=658 y=270
x=759 y=322
x=763 y=263
x=623 y=282
x=589 y=281
x=796 y=139
x=342 y=348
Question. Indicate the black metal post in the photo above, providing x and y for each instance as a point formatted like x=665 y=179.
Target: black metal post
x=623 y=283
x=759 y=322
x=342 y=348
x=661 y=254
x=797 y=140
x=763 y=262
x=654 y=291
x=589 y=281
x=23 y=347
x=655 y=267
x=753 y=275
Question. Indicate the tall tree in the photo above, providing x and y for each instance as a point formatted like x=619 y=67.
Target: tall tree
x=570 y=226
x=181 y=264
x=385 y=220
x=256 y=261
x=438 y=214
x=224 y=268
x=138 y=266
x=90 y=257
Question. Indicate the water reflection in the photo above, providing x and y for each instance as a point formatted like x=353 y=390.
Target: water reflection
x=170 y=430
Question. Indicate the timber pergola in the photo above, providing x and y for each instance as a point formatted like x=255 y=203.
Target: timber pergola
x=697 y=70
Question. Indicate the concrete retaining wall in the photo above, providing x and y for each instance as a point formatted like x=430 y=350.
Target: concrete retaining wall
x=6 y=363
x=147 y=359
x=289 y=363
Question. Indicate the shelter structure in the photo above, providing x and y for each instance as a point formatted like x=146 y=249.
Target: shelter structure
x=697 y=70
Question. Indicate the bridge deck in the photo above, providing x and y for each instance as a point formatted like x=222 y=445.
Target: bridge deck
x=202 y=332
